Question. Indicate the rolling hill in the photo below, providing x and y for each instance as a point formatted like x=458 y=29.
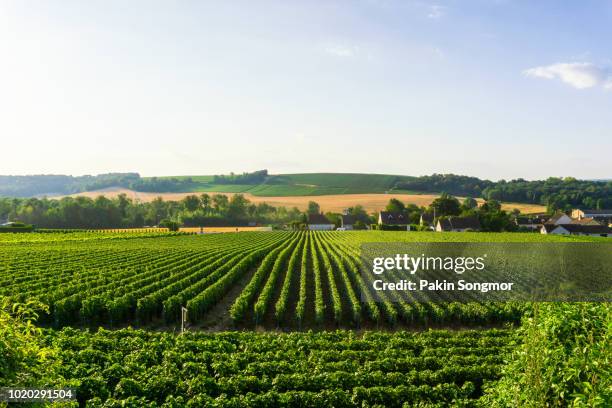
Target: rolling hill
x=301 y=184
x=555 y=193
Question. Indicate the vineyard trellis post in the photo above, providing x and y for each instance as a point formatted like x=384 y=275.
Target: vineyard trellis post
x=183 y=318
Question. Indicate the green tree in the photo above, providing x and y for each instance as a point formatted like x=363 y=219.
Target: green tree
x=157 y=211
x=170 y=224
x=123 y=202
x=313 y=208
x=237 y=207
x=191 y=202
x=206 y=201
x=469 y=203
x=445 y=205
x=395 y=205
x=220 y=203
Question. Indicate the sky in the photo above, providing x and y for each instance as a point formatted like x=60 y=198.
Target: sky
x=493 y=89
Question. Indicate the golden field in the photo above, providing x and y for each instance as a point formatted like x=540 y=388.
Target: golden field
x=329 y=203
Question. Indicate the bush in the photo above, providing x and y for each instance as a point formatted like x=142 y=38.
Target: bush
x=386 y=227
x=25 y=360
x=171 y=225
x=563 y=361
x=17 y=227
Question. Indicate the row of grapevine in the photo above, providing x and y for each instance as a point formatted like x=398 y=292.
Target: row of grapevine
x=281 y=305
x=265 y=296
x=300 y=309
x=336 y=300
x=242 y=302
x=301 y=278
x=341 y=368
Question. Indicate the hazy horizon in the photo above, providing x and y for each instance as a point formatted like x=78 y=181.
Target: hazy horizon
x=277 y=173
x=499 y=89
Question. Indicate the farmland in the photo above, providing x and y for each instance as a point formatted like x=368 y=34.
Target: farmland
x=330 y=369
x=275 y=319
x=331 y=202
x=291 y=280
x=302 y=184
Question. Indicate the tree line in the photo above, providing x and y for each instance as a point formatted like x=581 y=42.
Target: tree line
x=203 y=210
x=123 y=212
x=555 y=193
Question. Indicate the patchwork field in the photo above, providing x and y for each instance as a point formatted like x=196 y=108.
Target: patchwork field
x=332 y=203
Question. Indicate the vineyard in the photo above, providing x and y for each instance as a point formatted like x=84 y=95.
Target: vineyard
x=320 y=338
x=291 y=280
x=332 y=369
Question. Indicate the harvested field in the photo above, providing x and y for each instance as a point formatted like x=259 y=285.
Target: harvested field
x=333 y=203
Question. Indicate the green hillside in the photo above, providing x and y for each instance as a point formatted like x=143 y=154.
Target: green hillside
x=296 y=184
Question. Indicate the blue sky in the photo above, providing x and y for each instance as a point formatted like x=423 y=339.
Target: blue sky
x=495 y=89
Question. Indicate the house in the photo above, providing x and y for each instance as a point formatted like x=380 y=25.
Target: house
x=529 y=223
x=393 y=221
x=393 y=218
x=319 y=222
x=577 y=229
x=604 y=217
x=583 y=213
x=426 y=219
x=553 y=229
x=559 y=219
x=347 y=222
x=458 y=224
x=586 y=221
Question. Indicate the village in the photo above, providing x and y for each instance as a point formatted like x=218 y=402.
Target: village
x=585 y=222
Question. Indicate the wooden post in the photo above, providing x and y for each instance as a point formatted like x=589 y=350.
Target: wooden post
x=183 y=318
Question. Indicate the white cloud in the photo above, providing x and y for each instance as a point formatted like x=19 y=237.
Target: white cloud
x=341 y=50
x=436 y=11
x=580 y=75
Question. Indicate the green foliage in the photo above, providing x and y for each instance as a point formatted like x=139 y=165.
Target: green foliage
x=135 y=368
x=564 y=359
x=395 y=205
x=25 y=360
x=445 y=205
x=256 y=177
x=171 y=225
x=123 y=212
x=469 y=203
x=313 y=208
x=17 y=227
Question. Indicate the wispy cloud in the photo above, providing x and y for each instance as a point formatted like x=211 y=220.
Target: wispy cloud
x=580 y=75
x=341 y=50
x=436 y=11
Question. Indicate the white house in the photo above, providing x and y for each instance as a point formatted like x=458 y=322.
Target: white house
x=553 y=229
x=577 y=229
x=559 y=219
x=528 y=223
x=393 y=218
x=319 y=222
x=458 y=224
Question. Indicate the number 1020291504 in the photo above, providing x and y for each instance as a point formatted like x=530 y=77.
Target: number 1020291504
x=9 y=394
